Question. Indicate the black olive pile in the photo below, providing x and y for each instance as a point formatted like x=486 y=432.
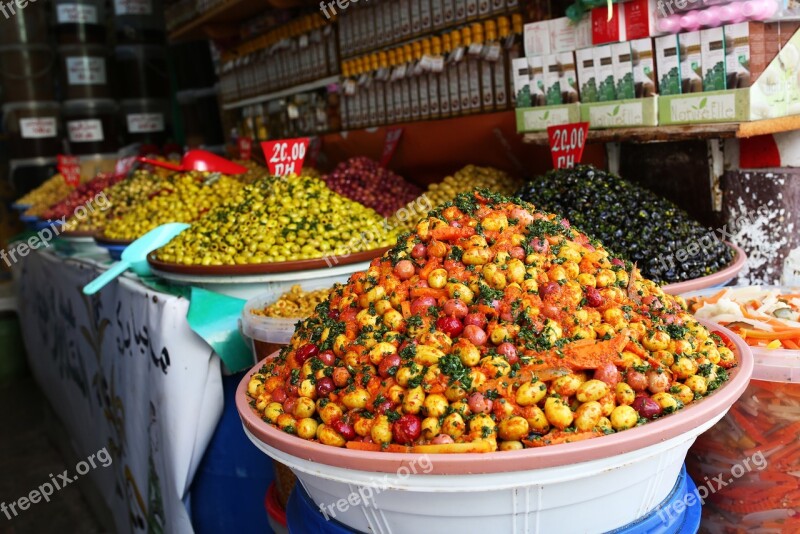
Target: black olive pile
x=634 y=222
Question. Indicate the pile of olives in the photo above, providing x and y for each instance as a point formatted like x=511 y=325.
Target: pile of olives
x=635 y=222
x=50 y=192
x=180 y=198
x=276 y=220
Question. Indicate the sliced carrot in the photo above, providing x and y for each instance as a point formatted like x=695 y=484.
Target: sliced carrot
x=792 y=334
x=428 y=292
x=405 y=309
x=790 y=344
x=747 y=425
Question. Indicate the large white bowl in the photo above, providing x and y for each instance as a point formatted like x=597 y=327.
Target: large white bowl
x=595 y=485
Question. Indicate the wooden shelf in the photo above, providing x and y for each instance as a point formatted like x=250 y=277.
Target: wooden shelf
x=219 y=22
x=660 y=134
x=302 y=88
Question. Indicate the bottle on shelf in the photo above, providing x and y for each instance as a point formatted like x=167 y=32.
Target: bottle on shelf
x=453 y=56
x=396 y=85
x=511 y=34
x=432 y=80
x=439 y=75
x=464 y=86
x=411 y=86
x=370 y=65
x=384 y=96
x=477 y=85
x=421 y=77
x=494 y=57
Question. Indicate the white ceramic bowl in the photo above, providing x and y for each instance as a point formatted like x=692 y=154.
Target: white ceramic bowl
x=595 y=485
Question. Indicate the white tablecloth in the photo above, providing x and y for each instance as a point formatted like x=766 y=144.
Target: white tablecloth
x=124 y=371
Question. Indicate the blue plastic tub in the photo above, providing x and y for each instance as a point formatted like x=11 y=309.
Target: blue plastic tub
x=227 y=494
x=115 y=251
x=30 y=221
x=304 y=517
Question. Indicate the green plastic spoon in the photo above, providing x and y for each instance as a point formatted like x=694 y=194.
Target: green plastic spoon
x=134 y=256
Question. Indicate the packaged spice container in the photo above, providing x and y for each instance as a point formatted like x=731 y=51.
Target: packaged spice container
x=141 y=71
x=85 y=72
x=145 y=121
x=26 y=72
x=91 y=126
x=80 y=21
x=33 y=129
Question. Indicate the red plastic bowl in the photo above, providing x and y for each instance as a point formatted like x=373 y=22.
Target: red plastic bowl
x=634 y=439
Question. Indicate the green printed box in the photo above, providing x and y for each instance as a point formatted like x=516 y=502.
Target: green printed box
x=538 y=119
x=626 y=113
x=732 y=105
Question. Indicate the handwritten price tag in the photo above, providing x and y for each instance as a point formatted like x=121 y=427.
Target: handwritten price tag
x=245 y=148
x=393 y=136
x=566 y=143
x=286 y=156
x=70 y=169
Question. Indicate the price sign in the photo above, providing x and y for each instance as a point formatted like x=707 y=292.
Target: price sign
x=70 y=169
x=285 y=156
x=245 y=148
x=566 y=143
x=393 y=136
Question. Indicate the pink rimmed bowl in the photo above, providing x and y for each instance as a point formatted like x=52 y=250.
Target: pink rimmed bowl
x=718 y=279
x=595 y=485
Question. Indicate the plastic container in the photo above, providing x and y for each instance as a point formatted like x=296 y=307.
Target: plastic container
x=268 y=334
x=228 y=489
x=80 y=21
x=141 y=72
x=755 y=448
x=91 y=126
x=139 y=21
x=34 y=129
x=275 y=512
x=26 y=72
x=145 y=121
x=28 y=174
x=611 y=480
x=85 y=72
x=24 y=26
x=304 y=516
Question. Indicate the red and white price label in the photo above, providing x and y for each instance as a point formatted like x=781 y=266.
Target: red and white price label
x=70 y=169
x=567 y=142
x=286 y=156
x=393 y=136
x=245 y=148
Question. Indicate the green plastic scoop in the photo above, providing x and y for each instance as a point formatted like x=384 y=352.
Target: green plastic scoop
x=134 y=256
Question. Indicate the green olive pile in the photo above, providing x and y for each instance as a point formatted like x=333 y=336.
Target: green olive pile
x=181 y=198
x=636 y=223
x=294 y=218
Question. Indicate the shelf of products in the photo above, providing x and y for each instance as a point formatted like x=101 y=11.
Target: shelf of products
x=219 y=21
x=302 y=88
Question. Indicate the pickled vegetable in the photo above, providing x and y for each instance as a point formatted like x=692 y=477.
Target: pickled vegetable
x=295 y=303
x=492 y=341
x=53 y=190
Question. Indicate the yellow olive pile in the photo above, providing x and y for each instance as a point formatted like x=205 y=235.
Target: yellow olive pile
x=491 y=327
x=293 y=218
x=469 y=178
x=121 y=197
x=53 y=190
x=181 y=198
x=294 y=304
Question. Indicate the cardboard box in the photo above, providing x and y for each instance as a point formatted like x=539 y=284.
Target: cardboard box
x=562 y=35
x=712 y=51
x=668 y=65
x=537 y=86
x=537 y=38
x=623 y=70
x=569 y=78
x=520 y=74
x=691 y=63
x=644 y=67
x=587 y=75
x=583 y=32
x=627 y=113
x=640 y=18
x=552 y=79
x=608 y=31
x=737 y=55
x=604 y=68
x=538 y=119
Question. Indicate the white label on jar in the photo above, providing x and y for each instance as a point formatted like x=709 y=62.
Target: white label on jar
x=85 y=131
x=133 y=7
x=38 y=128
x=85 y=70
x=76 y=14
x=145 y=122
